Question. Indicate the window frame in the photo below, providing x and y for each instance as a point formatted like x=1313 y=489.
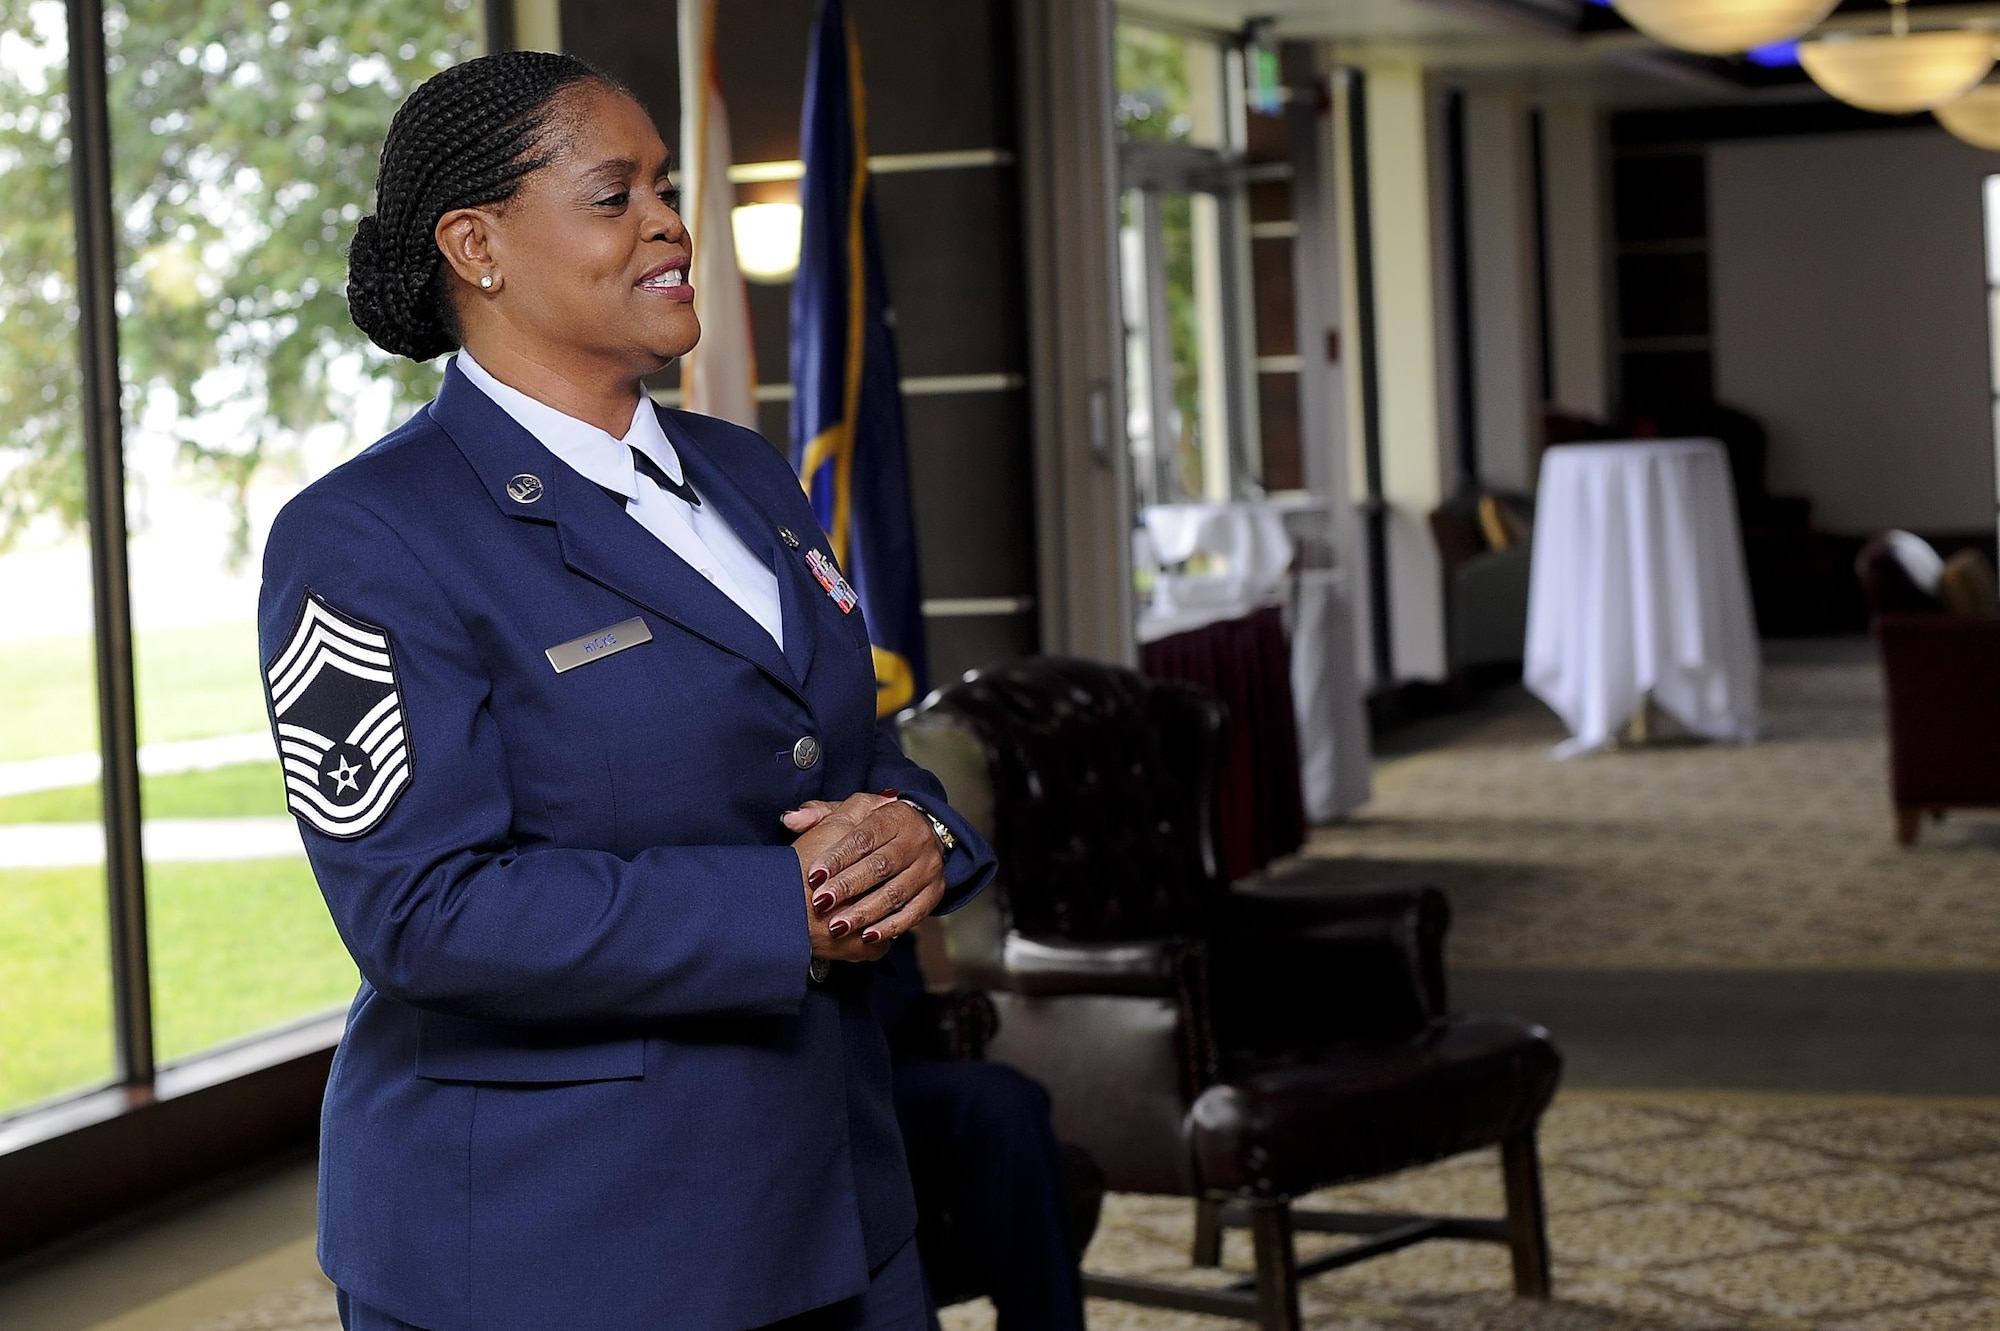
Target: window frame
x=1216 y=181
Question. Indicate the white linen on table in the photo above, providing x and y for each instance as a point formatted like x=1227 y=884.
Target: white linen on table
x=1245 y=540
x=1252 y=553
x=1334 y=768
x=1638 y=586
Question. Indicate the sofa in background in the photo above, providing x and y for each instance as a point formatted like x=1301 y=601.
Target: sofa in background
x=1483 y=539
x=1938 y=628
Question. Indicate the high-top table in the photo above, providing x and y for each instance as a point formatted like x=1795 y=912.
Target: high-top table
x=1638 y=587
x=1223 y=630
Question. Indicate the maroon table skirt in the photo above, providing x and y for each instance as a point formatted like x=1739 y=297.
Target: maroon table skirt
x=1248 y=665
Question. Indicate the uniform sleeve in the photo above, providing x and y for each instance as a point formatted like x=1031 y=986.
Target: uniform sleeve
x=970 y=865
x=437 y=905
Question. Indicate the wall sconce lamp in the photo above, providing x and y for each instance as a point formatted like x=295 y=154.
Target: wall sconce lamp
x=767 y=241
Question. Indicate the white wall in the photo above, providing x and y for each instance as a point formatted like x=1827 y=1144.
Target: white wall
x=1848 y=274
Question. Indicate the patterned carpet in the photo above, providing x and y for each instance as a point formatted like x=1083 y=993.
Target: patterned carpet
x=1678 y=854
x=307 y=1305
x=1683 y=1212
x=1668 y=1213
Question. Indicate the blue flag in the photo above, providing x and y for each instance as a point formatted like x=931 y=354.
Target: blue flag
x=847 y=403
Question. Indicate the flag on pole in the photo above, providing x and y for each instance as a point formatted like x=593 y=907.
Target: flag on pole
x=719 y=377
x=847 y=404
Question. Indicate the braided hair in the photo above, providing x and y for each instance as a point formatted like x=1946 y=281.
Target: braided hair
x=465 y=138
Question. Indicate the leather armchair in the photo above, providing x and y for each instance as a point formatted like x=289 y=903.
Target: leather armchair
x=1942 y=674
x=1234 y=1048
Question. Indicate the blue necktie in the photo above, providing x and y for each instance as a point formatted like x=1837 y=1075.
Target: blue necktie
x=657 y=474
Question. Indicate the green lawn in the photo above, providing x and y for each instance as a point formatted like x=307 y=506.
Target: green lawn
x=237 y=948
x=193 y=683
x=55 y=987
x=241 y=791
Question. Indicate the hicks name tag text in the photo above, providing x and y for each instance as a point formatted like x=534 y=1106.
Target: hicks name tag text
x=596 y=646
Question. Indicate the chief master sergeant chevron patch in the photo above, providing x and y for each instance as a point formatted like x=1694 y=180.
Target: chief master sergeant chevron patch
x=339 y=715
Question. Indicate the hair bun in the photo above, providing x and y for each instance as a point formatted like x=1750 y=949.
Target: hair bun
x=393 y=307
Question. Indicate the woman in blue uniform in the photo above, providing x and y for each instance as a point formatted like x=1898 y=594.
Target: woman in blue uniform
x=585 y=758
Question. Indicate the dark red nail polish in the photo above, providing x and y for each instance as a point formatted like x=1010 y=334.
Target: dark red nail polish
x=838 y=929
x=823 y=902
x=891 y=793
x=871 y=935
x=815 y=878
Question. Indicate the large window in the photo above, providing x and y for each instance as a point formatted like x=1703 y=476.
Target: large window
x=55 y=977
x=243 y=150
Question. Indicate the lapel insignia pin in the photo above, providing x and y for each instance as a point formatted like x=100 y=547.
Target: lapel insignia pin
x=525 y=488
x=828 y=576
x=785 y=535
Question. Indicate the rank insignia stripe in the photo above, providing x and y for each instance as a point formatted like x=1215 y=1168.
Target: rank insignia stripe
x=622 y=636
x=343 y=736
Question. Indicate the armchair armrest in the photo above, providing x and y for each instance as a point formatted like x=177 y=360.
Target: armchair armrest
x=1312 y=969
x=1120 y=1035
x=1039 y=968
x=1409 y=923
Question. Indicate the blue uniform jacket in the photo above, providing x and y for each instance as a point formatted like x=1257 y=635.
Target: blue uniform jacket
x=586 y=1082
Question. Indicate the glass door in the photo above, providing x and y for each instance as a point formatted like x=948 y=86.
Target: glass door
x=1184 y=263
x=1187 y=417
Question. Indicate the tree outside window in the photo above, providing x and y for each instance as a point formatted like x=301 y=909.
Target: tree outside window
x=244 y=140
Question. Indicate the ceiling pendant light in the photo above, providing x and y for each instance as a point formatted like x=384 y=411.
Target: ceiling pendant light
x=1901 y=71
x=1975 y=117
x=1722 y=27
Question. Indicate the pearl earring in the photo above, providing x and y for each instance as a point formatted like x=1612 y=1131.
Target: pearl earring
x=486 y=282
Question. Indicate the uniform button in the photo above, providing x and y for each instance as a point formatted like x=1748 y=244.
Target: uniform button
x=805 y=753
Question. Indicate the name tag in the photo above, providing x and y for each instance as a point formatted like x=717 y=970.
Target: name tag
x=567 y=656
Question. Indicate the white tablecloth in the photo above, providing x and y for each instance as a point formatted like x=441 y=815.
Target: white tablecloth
x=1248 y=552
x=1638 y=586
x=1334 y=768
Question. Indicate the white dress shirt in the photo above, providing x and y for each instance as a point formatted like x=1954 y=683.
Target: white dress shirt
x=698 y=534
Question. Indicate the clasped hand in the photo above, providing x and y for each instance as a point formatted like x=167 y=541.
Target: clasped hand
x=872 y=870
